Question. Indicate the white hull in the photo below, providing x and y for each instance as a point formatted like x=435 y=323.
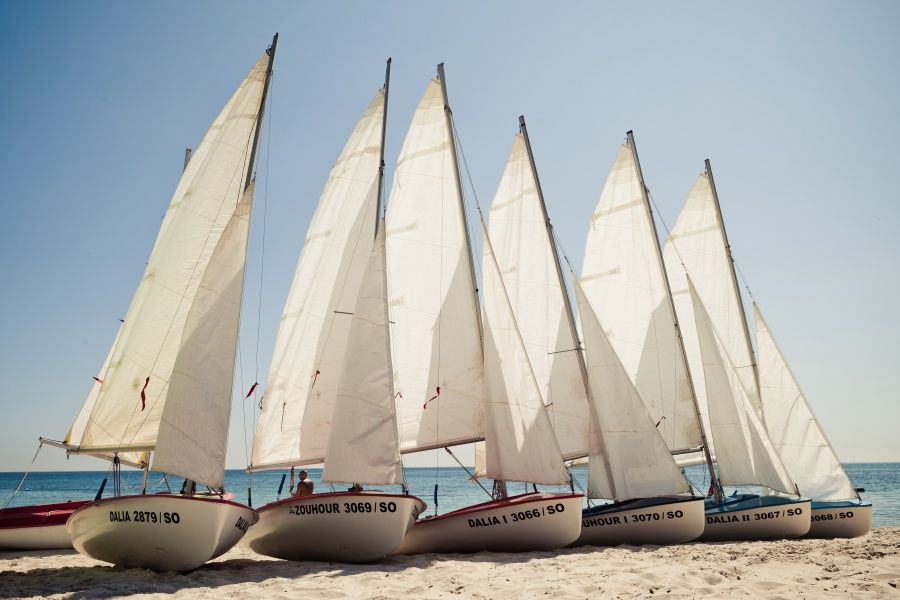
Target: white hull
x=350 y=527
x=35 y=538
x=789 y=519
x=664 y=520
x=161 y=532
x=536 y=521
x=843 y=520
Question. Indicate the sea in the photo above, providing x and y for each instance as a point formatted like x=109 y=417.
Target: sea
x=443 y=489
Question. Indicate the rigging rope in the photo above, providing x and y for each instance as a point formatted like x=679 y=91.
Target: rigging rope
x=24 y=475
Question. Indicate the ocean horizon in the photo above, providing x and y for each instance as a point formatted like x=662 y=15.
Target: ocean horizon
x=455 y=489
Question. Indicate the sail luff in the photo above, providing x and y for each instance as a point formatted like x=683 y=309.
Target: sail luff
x=379 y=218
x=303 y=376
x=557 y=263
x=735 y=288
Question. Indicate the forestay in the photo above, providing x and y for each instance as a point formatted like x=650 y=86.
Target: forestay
x=523 y=250
x=439 y=378
x=131 y=400
x=624 y=280
x=697 y=244
x=520 y=444
x=744 y=453
x=364 y=446
x=303 y=377
x=202 y=378
x=793 y=427
x=628 y=458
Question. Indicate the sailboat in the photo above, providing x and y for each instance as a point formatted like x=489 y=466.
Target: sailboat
x=837 y=508
x=488 y=374
x=320 y=406
x=700 y=241
x=642 y=392
x=172 y=364
x=715 y=335
x=592 y=404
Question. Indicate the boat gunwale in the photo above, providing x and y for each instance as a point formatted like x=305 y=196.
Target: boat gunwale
x=499 y=503
x=379 y=494
x=163 y=495
x=630 y=504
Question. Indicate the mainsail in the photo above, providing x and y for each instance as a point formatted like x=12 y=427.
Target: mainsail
x=302 y=384
x=364 y=446
x=161 y=322
x=628 y=458
x=697 y=244
x=744 y=453
x=439 y=378
x=793 y=427
x=624 y=280
x=524 y=253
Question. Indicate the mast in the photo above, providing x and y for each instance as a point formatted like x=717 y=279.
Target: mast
x=262 y=109
x=448 y=115
x=735 y=287
x=387 y=83
x=706 y=454
x=567 y=301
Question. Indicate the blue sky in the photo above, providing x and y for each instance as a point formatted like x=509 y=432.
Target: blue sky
x=795 y=104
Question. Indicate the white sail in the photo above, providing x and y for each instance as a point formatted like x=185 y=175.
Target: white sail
x=152 y=336
x=629 y=458
x=520 y=444
x=364 y=446
x=438 y=369
x=697 y=244
x=303 y=376
x=203 y=375
x=523 y=251
x=625 y=283
x=744 y=453
x=793 y=427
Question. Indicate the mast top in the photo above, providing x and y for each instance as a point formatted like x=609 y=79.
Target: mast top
x=271 y=49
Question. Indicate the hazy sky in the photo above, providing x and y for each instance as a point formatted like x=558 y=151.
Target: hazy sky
x=796 y=104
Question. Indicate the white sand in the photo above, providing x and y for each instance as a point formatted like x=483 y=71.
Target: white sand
x=868 y=567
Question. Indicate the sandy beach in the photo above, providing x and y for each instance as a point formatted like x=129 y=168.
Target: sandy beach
x=867 y=567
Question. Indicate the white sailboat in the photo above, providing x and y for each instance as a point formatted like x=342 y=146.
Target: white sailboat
x=172 y=364
x=699 y=245
x=637 y=367
x=494 y=381
x=319 y=407
x=837 y=509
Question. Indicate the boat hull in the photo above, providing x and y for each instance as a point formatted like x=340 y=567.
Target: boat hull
x=37 y=527
x=161 y=532
x=841 y=519
x=660 y=520
x=349 y=527
x=751 y=517
x=535 y=521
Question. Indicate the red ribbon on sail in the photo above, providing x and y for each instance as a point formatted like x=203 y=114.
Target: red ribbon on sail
x=144 y=396
x=438 y=389
x=252 y=388
x=316 y=376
